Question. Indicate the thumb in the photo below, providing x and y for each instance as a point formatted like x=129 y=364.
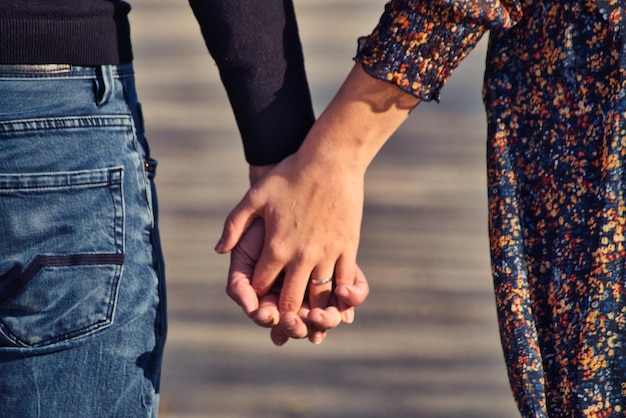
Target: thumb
x=236 y=223
x=351 y=295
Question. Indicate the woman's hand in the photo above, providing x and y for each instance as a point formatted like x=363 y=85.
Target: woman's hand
x=264 y=310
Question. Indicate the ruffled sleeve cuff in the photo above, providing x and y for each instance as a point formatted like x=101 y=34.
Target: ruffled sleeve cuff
x=417 y=45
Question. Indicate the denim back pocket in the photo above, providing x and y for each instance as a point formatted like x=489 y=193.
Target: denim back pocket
x=61 y=254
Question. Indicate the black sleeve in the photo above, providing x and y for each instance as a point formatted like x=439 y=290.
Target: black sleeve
x=256 y=46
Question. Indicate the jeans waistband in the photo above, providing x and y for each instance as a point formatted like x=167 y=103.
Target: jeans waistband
x=64 y=70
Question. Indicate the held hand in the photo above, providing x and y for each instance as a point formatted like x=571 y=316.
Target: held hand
x=312 y=218
x=312 y=202
x=344 y=300
x=317 y=321
x=264 y=311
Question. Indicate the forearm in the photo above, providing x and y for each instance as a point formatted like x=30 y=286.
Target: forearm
x=359 y=120
x=256 y=46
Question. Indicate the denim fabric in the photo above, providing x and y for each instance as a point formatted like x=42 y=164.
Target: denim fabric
x=82 y=308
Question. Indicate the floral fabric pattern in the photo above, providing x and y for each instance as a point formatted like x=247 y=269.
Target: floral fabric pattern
x=554 y=92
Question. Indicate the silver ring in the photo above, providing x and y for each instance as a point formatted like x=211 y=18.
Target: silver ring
x=321 y=281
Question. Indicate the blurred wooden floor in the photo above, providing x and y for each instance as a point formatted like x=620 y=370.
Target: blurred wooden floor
x=425 y=344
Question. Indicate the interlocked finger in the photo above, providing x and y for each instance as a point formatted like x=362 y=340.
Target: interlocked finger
x=321 y=287
x=321 y=281
x=320 y=292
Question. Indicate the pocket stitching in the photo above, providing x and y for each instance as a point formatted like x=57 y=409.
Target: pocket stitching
x=32 y=182
x=40 y=262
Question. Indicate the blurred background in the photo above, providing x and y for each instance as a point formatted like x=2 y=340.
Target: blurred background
x=425 y=343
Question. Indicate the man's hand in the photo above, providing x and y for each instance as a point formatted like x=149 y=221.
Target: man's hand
x=264 y=310
x=312 y=201
x=312 y=220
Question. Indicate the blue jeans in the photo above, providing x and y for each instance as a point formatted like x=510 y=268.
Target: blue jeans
x=82 y=308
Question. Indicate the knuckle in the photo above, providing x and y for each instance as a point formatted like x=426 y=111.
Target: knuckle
x=277 y=252
x=306 y=257
x=234 y=290
x=288 y=304
x=231 y=292
x=260 y=289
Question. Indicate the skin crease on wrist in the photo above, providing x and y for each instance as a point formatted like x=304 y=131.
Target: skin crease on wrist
x=325 y=175
x=256 y=172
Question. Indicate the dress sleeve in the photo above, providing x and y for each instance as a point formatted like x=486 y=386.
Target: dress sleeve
x=418 y=43
x=256 y=46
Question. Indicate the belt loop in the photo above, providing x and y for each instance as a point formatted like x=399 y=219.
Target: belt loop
x=104 y=85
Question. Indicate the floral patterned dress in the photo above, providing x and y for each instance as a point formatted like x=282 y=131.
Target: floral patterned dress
x=555 y=98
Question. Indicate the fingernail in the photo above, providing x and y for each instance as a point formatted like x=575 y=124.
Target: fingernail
x=316 y=317
x=290 y=323
x=317 y=337
x=262 y=317
x=279 y=341
x=348 y=316
x=219 y=247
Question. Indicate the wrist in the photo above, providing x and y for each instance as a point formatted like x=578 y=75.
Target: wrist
x=359 y=120
x=256 y=172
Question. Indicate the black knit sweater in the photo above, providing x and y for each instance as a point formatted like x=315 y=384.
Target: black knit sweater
x=79 y=32
x=255 y=45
